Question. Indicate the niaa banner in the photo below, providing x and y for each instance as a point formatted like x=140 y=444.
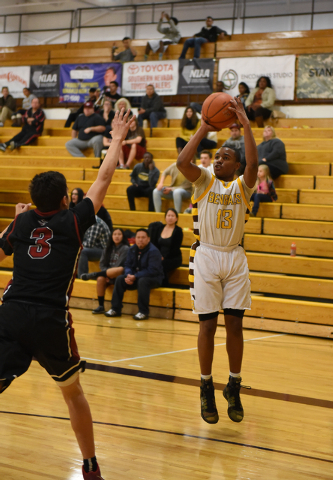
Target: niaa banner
x=16 y=79
x=77 y=79
x=280 y=70
x=162 y=74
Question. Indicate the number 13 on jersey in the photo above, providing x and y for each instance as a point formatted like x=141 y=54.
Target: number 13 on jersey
x=224 y=219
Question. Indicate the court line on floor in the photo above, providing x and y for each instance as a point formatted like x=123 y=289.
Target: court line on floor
x=178 y=434
x=175 y=351
x=285 y=397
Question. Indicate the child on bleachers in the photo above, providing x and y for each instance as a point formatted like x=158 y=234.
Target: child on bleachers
x=265 y=189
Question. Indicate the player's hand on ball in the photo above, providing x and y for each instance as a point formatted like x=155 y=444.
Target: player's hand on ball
x=209 y=128
x=238 y=108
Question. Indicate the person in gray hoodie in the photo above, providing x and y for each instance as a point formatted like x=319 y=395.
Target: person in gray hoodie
x=171 y=35
x=236 y=142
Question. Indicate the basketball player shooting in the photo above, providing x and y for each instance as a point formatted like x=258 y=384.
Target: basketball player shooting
x=34 y=317
x=219 y=274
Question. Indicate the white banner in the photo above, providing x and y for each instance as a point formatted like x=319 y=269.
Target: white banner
x=162 y=74
x=280 y=69
x=15 y=78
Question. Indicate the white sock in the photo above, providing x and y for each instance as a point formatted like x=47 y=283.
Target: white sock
x=235 y=375
x=206 y=377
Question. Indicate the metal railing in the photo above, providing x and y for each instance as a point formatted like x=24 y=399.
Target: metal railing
x=239 y=12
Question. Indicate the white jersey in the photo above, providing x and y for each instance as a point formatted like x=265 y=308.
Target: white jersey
x=210 y=167
x=220 y=210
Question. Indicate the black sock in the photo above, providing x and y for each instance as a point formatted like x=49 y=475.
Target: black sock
x=98 y=274
x=90 y=464
x=101 y=301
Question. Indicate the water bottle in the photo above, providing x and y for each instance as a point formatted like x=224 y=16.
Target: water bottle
x=293 y=250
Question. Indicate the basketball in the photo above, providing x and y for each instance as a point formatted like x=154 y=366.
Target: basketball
x=215 y=110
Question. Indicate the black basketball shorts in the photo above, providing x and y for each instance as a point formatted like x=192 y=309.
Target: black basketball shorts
x=46 y=333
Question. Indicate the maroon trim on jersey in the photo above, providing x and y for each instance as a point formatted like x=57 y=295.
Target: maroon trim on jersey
x=7 y=238
x=7 y=286
x=73 y=344
x=46 y=214
x=77 y=230
x=30 y=139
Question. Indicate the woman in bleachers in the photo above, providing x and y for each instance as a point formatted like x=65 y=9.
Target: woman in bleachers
x=107 y=113
x=260 y=102
x=168 y=239
x=77 y=196
x=123 y=103
x=272 y=152
x=244 y=92
x=189 y=125
x=111 y=266
x=134 y=146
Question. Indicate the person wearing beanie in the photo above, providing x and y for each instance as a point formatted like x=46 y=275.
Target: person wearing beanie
x=236 y=141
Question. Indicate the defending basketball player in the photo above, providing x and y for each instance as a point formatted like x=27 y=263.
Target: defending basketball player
x=219 y=275
x=34 y=318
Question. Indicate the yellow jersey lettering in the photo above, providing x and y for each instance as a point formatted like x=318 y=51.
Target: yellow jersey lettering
x=230 y=202
x=226 y=199
x=237 y=198
x=217 y=198
x=211 y=197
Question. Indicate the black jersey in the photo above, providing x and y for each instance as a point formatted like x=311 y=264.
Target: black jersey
x=46 y=249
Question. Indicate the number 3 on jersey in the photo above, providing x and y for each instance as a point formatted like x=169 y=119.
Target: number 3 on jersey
x=42 y=248
x=224 y=219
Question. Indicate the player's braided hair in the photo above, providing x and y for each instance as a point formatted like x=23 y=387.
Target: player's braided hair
x=47 y=190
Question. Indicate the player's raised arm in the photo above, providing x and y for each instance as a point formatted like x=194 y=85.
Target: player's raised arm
x=251 y=152
x=98 y=189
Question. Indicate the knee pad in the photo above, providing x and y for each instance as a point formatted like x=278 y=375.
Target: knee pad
x=208 y=316
x=234 y=312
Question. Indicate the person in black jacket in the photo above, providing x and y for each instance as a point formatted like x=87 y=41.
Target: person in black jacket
x=168 y=239
x=78 y=195
x=272 y=152
x=152 y=108
x=144 y=178
x=76 y=112
x=33 y=123
x=209 y=33
x=143 y=271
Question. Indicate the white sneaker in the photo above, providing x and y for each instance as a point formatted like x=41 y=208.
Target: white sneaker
x=140 y=316
x=112 y=313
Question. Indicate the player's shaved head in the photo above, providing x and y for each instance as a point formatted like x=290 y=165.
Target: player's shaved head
x=47 y=190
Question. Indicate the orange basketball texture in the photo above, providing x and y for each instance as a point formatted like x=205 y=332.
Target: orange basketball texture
x=215 y=110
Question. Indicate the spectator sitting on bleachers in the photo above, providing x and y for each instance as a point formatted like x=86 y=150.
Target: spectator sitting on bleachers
x=208 y=143
x=206 y=161
x=33 y=123
x=219 y=87
x=94 y=241
x=134 y=146
x=168 y=239
x=144 y=178
x=189 y=125
x=209 y=33
x=171 y=36
x=77 y=111
x=179 y=189
x=259 y=104
x=7 y=105
x=143 y=271
x=272 y=152
x=107 y=113
x=26 y=104
x=265 y=189
x=244 y=92
x=123 y=103
x=236 y=142
x=152 y=108
x=111 y=266
x=87 y=132
x=111 y=92
x=127 y=55
x=78 y=195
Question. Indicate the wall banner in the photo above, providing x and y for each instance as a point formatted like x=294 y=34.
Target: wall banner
x=44 y=80
x=196 y=76
x=77 y=79
x=15 y=78
x=162 y=74
x=315 y=76
x=280 y=69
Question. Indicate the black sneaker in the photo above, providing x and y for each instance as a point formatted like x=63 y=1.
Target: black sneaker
x=3 y=147
x=208 y=406
x=88 y=276
x=100 y=309
x=231 y=394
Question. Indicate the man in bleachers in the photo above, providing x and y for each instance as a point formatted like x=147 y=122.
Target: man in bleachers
x=33 y=123
x=7 y=105
x=209 y=33
x=87 y=132
x=152 y=108
x=94 y=242
x=144 y=178
x=127 y=55
x=26 y=104
x=171 y=36
x=143 y=271
x=236 y=142
x=73 y=115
